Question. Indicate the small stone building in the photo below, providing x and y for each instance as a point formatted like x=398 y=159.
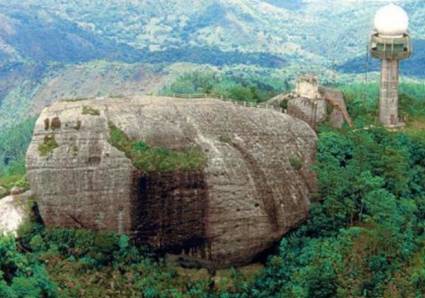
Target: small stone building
x=314 y=104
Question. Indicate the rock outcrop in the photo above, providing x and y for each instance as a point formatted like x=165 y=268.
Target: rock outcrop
x=3 y=192
x=314 y=103
x=15 y=210
x=202 y=178
x=16 y=190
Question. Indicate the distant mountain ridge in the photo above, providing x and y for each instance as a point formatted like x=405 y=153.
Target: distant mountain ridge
x=410 y=67
x=41 y=40
x=324 y=32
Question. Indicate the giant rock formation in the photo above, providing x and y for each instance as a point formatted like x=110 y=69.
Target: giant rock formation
x=254 y=185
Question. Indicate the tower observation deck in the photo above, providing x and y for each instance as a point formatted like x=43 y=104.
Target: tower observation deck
x=390 y=42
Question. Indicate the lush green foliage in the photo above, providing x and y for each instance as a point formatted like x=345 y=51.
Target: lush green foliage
x=90 y=111
x=365 y=238
x=362 y=103
x=13 y=146
x=155 y=159
x=79 y=263
x=21 y=275
x=49 y=144
x=241 y=88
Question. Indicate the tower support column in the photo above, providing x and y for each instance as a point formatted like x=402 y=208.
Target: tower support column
x=388 y=103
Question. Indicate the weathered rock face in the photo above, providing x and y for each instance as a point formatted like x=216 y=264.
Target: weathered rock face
x=15 y=210
x=335 y=99
x=311 y=111
x=254 y=187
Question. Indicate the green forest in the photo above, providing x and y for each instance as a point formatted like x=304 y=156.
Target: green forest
x=364 y=237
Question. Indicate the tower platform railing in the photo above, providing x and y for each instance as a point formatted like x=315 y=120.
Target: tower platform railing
x=390 y=47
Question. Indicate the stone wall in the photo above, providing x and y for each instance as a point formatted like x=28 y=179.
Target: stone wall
x=314 y=104
x=310 y=111
x=307 y=87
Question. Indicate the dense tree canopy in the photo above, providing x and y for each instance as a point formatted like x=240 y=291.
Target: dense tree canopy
x=364 y=237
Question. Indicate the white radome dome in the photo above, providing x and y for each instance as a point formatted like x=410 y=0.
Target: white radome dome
x=391 y=20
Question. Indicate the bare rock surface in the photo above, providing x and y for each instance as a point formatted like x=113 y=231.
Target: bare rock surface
x=255 y=186
x=14 y=211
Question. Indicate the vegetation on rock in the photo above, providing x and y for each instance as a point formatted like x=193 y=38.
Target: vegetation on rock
x=90 y=111
x=154 y=159
x=296 y=163
x=250 y=88
x=49 y=144
x=366 y=237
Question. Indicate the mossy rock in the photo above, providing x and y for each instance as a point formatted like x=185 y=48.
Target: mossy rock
x=75 y=99
x=48 y=145
x=296 y=163
x=90 y=111
x=156 y=159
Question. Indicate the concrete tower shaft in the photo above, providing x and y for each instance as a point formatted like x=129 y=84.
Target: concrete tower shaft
x=388 y=103
x=390 y=43
x=390 y=50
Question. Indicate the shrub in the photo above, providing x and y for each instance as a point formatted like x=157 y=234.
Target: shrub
x=296 y=163
x=49 y=144
x=368 y=226
x=90 y=111
x=150 y=159
x=13 y=145
x=21 y=275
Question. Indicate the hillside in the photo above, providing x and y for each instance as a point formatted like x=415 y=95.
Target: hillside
x=364 y=238
x=365 y=232
x=45 y=44
x=321 y=31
